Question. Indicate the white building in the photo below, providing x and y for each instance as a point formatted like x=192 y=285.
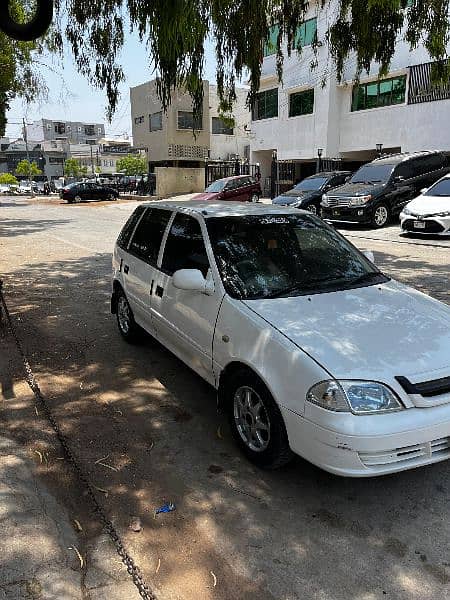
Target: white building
x=310 y=110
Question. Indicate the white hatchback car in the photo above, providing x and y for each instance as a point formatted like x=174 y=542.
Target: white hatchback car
x=429 y=213
x=311 y=348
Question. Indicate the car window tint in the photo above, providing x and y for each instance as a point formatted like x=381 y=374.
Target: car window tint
x=441 y=188
x=405 y=170
x=128 y=228
x=185 y=247
x=231 y=185
x=149 y=233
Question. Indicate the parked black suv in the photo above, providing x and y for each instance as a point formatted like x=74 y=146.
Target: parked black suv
x=379 y=190
x=308 y=193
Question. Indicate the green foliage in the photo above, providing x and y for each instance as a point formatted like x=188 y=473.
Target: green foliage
x=20 y=68
x=98 y=169
x=72 y=168
x=175 y=37
x=7 y=178
x=27 y=168
x=132 y=164
x=83 y=170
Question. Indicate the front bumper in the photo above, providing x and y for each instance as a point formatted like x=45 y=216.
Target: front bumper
x=425 y=225
x=399 y=448
x=348 y=214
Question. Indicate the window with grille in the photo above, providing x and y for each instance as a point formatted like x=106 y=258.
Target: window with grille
x=301 y=103
x=266 y=105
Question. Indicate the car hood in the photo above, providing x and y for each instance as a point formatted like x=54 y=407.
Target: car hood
x=429 y=205
x=357 y=189
x=374 y=332
x=206 y=196
x=292 y=196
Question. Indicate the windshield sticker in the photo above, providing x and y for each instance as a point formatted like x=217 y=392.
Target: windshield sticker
x=271 y=220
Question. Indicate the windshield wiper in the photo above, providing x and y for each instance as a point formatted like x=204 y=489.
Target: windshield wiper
x=279 y=293
x=367 y=277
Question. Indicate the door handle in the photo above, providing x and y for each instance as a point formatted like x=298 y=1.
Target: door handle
x=126 y=268
x=159 y=291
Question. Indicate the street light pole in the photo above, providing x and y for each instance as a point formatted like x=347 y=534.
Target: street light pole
x=379 y=148
x=319 y=162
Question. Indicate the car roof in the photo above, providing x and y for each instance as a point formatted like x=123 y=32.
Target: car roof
x=327 y=174
x=222 y=209
x=394 y=159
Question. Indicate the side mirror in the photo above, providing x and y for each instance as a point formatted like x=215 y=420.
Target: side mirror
x=398 y=179
x=423 y=190
x=369 y=254
x=192 y=280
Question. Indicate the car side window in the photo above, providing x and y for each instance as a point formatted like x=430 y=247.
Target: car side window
x=405 y=170
x=128 y=228
x=231 y=185
x=147 y=238
x=185 y=246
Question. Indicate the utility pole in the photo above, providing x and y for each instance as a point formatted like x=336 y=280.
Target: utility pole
x=25 y=138
x=92 y=161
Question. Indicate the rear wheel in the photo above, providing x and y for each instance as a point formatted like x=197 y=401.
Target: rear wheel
x=128 y=327
x=112 y=197
x=256 y=422
x=254 y=198
x=381 y=215
x=77 y=199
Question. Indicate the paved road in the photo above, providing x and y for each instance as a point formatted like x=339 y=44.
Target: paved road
x=298 y=533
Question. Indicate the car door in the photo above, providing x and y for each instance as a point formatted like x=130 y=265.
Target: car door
x=139 y=263
x=184 y=320
x=232 y=191
x=402 y=187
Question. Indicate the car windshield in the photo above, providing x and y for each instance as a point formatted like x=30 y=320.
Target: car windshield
x=372 y=173
x=216 y=186
x=274 y=255
x=441 y=188
x=312 y=184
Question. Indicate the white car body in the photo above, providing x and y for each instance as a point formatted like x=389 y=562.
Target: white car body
x=374 y=333
x=427 y=214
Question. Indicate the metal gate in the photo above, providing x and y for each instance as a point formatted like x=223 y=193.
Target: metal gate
x=282 y=176
x=219 y=170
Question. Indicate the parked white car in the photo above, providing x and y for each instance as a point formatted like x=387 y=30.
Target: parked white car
x=311 y=348
x=429 y=213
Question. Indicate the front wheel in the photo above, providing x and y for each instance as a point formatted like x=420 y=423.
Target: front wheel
x=256 y=422
x=313 y=209
x=381 y=215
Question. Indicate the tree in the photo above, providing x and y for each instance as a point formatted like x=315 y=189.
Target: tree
x=28 y=169
x=20 y=66
x=72 y=168
x=94 y=31
x=132 y=164
x=8 y=179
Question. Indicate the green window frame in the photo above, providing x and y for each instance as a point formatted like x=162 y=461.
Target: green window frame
x=265 y=105
x=375 y=94
x=305 y=35
x=301 y=103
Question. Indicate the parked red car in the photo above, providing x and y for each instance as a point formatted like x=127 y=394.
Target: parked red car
x=242 y=188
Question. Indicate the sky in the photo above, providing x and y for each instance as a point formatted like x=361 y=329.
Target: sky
x=71 y=98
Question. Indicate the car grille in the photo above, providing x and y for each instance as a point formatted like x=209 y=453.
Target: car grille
x=338 y=201
x=434 y=451
x=430 y=226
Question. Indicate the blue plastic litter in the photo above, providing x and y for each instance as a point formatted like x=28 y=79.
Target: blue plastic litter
x=165 y=508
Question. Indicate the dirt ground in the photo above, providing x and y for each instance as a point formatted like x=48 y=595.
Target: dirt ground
x=237 y=532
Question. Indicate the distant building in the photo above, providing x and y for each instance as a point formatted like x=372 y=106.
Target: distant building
x=103 y=156
x=73 y=132
x=168 y=138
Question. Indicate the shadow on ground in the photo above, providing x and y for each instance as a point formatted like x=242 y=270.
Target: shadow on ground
x=295 y=533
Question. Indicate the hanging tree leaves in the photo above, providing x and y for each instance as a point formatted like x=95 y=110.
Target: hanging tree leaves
x=175 y=32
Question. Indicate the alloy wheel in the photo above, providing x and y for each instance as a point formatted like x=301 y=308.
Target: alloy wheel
x=312 y=209
x=77 y=198
x=254 y=198
x=380 y=216
x=251 y=419
x=124 y=315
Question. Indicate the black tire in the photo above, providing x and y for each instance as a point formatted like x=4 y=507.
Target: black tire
x=381 y=215
x=254 y=198
x=313 y=209
x=70 y=200
x=111 y=197
x=128 y=328
x=275 y=451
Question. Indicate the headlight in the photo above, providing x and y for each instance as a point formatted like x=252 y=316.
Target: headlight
x=324 y=200
x=360 y=200
x=406 y=211
x=443 y=214
x=358 y=397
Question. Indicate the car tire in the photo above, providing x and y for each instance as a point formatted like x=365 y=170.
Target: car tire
x=77 y=199
x=380 y=216
x=70 y=200
x=249 y=404
x=313 y=209
x=254 y=198
x=128 y=328
x=112 y=197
